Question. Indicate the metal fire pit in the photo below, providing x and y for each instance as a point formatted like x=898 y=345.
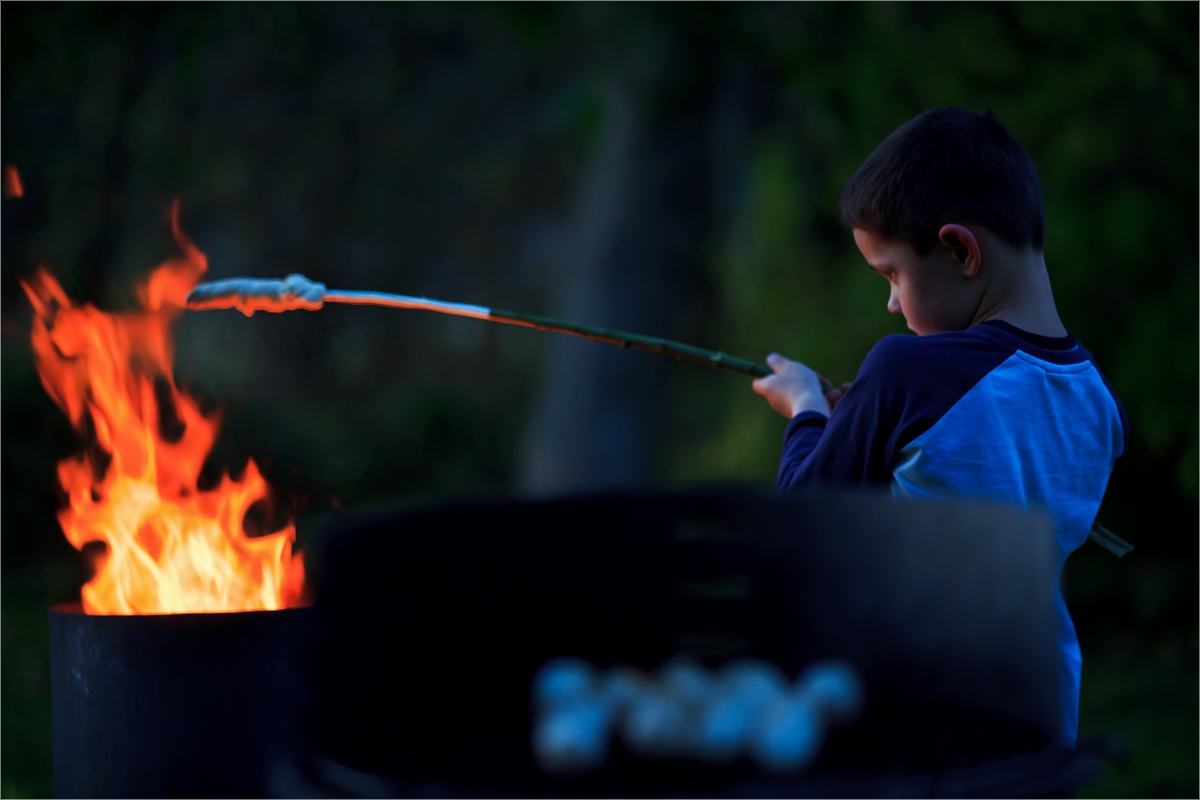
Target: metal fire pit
x=178 y=705
x=432 y=624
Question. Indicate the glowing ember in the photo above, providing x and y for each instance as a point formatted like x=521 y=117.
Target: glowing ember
x=12 y=183
x=171 y=548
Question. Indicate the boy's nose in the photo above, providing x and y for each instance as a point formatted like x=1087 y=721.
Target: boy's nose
x=893 y=304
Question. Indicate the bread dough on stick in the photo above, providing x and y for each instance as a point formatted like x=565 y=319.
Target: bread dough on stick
x=257 y=294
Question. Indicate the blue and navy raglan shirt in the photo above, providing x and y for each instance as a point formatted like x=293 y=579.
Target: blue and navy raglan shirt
x=991 y=412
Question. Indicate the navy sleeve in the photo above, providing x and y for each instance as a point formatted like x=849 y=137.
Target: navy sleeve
x=904 y=386
x=851 y=446
x=801 y=437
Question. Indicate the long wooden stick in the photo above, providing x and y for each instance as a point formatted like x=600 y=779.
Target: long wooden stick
x=1109 y=540
x=297 y=292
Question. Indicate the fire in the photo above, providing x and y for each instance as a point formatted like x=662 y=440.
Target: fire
x=12 y=183
x=171 y=548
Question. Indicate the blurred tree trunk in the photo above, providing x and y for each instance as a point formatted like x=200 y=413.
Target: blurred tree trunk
x=629 y=249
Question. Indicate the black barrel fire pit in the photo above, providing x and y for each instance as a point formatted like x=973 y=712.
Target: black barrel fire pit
x=173 y=705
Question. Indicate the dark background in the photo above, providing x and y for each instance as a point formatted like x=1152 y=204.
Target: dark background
x=672 y=170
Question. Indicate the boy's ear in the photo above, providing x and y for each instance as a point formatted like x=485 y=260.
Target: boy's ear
x=963 y=247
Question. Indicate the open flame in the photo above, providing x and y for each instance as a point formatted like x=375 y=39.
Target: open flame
x=171 y=548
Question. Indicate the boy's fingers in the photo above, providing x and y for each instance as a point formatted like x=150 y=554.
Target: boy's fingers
x=776 y=362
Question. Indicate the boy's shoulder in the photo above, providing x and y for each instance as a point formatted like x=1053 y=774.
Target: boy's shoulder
x=989 y=383
x=979 y=348
x=945 y=360
x=909 y=346
x=927 y=375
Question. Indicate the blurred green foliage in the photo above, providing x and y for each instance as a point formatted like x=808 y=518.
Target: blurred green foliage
x=427 y=149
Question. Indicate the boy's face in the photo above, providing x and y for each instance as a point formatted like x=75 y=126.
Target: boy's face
x=930 y=290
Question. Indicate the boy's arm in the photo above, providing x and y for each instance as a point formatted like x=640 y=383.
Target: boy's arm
x=854 y=444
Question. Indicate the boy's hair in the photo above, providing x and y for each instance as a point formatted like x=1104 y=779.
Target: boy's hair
x=943 y=166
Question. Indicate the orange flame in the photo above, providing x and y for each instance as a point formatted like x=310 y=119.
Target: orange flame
x=12 y=183
x=171 y=548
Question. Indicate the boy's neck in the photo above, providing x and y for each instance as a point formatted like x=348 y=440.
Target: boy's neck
x=1019 y=293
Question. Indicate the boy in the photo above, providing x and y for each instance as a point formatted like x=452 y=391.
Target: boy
x=992 y=398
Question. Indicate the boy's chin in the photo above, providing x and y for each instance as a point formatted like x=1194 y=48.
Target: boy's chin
x=920 y=328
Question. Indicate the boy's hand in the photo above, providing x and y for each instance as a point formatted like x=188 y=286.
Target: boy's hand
x=793 y=389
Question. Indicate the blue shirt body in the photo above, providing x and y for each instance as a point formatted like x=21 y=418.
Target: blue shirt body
x=991 y=412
